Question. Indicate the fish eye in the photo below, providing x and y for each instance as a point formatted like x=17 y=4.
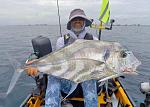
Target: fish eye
x=123 y=54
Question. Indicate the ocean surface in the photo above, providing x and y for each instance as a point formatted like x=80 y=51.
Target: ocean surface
x=15 y=46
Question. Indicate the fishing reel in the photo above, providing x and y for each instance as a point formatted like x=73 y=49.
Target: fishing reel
x=101 y=26
x=111 y=24
x=145 y=89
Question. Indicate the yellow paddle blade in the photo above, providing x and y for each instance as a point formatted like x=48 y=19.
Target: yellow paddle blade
x=105 y=11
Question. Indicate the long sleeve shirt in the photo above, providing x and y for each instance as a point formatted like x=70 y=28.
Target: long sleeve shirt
x=60 y=42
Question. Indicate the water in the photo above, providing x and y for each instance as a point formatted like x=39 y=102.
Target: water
x=16 y=41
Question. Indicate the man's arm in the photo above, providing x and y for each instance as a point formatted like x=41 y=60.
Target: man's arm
x=60 y=43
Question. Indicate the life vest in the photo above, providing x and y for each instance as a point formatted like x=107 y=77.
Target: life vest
x=68 y=39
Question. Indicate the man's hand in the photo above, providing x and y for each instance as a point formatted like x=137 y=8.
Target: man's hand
x=31 y=71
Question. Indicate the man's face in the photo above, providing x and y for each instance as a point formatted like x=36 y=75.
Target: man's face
x=77 y=23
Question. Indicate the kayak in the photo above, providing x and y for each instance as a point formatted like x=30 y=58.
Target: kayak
x=117 y=96
x=111 y=95
x=114 y=94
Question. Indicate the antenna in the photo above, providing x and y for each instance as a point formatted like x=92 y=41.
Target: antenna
x=59 y=18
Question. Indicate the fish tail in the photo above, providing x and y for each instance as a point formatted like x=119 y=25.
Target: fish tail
x=73 y=87
x=17 y=72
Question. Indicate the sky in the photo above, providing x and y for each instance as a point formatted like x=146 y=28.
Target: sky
x=23 y=12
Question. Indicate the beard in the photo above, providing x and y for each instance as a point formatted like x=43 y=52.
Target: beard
x=78 y=30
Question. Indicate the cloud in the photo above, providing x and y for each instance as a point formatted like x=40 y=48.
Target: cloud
x=45 y=11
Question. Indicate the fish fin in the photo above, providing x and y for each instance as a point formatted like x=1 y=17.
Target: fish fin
x=17 y=72
x=14 y=80
x=106 y=54
x=73 y=87
x=109 y=77
x=115 y=101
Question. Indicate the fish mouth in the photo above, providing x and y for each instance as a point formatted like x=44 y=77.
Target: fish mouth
x=127 y=70
x=131 y=69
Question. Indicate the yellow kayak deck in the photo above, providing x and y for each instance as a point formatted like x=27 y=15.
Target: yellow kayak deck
x=120 y=94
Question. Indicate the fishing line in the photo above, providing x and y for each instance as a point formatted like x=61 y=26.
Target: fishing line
x=59 y=18
x=147 y=76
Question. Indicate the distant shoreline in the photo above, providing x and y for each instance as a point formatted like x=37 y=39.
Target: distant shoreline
x=129 y=25
x=65 y=25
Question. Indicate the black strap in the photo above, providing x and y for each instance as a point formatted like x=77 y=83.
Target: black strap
x=88 y=36
x=66 y=39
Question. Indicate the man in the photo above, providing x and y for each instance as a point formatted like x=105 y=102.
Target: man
x=76 y=30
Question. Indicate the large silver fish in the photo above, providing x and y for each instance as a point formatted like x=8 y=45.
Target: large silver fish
x=84 y=60
x=81 y=58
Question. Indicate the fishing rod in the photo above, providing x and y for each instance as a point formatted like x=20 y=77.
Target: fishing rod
x=59 y=18
x=100 y=32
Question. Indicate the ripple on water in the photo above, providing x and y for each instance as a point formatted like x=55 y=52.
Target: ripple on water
x=17 y=41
